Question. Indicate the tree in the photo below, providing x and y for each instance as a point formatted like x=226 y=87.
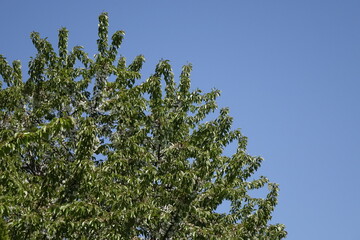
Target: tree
x=88 y=151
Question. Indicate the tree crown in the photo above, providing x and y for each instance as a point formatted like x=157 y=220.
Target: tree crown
x=85 y=157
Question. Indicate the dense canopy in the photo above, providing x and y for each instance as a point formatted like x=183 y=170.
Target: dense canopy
x=90 y=151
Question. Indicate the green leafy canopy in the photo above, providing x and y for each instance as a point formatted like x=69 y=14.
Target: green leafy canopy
x=86 y=157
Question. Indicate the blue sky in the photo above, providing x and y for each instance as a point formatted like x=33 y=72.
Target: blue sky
x=288 y=70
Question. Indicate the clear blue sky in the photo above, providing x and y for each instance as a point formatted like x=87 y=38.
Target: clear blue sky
x=289 y=71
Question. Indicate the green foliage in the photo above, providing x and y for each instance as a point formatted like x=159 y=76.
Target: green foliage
x=3 y=230
x=83 y=157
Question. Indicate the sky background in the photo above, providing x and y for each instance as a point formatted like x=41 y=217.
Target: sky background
x=288 y=70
